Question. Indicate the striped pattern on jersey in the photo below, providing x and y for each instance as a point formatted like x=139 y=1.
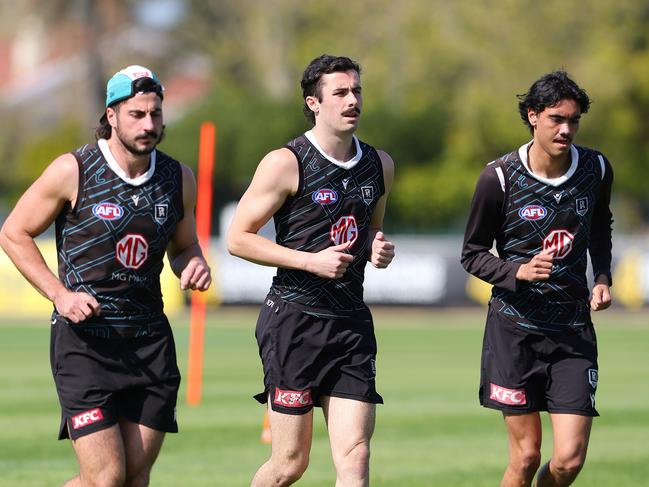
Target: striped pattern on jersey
x=540 y=215
x=332 y=205
x=112 y=243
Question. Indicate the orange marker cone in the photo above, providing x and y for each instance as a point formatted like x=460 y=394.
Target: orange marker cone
x=265 y=429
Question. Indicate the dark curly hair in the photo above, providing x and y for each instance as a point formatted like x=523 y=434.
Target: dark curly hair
x=141 y=85
x=549 y=90
x=312 y=75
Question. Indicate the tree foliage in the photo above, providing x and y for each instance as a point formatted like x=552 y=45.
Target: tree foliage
x=439 y=83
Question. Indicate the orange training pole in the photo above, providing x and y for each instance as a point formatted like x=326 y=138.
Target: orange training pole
x=207 y=146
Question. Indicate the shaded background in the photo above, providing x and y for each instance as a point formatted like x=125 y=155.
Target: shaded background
x=439 y=80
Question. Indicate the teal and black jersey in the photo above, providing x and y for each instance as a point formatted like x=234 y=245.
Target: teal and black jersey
x=112 y=243
x=334 y=204
x=524 y=214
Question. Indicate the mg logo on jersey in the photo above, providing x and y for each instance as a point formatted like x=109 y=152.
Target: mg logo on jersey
x=344 y=230
x=293 y=399
x=532 y=212
x=86 y=418
x=132 y=251
x=108 y=211
x=325 y=196
x=512 y=397
x=560 y=241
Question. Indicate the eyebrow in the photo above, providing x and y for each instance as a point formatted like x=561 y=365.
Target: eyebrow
x=556 y=116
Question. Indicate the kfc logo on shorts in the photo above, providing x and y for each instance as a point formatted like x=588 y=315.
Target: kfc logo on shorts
x=560 y=242
x=325 y=196
x=344 y=230
x=532 y=212
x=293 y=399
x=84 y=419
x=511 y=397
x=132 y=251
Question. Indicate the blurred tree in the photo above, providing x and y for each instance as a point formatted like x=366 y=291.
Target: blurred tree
x=439 y=81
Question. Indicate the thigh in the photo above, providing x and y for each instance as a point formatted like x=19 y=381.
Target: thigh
x=523 y=431
x=142 y=446
x=352 y=360
x=101 y=454
x=511 y=377
x=291 y=434
x=573 y=374
x=148 y=393
x=84 y=388
x=571 y=434
x=349 y=422
x=283 y=334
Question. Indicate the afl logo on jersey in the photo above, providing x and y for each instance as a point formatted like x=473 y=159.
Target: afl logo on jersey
x=132 y=251
x=532 y=212
x=344 y=230
x=325 y=196
x=108 y=211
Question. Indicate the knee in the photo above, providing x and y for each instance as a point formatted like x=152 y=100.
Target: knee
x=568 y=466
x=141 y=479
x=105 y=478
x=527 y=461
x=290 y=468
x=355 y=461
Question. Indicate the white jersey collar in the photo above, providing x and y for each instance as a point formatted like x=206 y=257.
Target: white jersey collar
x=112 y=163
x=522 y=154
x=344 y=164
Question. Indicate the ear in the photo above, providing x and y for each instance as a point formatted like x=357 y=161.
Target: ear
x=313 y=104
x=532 y=117
x=111 y=116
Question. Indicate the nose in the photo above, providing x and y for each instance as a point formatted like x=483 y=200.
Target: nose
x=147 y=122
x=352 y=99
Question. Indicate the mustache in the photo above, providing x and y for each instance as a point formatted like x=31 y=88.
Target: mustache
x=148 y=134
x=352 y=111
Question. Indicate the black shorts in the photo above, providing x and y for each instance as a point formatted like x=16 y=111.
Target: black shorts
x=308 y=353
x=525 y=371
x=101 y=376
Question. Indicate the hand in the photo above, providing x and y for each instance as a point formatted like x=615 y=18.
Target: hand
x=601 y=296
x=196 y=275
x=331 y=262
x=76 y=306
x=382 y=251
x=537 y=269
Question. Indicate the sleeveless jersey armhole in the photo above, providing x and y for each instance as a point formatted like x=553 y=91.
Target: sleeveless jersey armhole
x=300 y=187
x=181 y=190
x=80 y=180
x=381 y=172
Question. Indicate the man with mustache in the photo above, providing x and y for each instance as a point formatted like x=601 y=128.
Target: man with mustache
x=326 y=191
x=118 y=206
x=546 y=205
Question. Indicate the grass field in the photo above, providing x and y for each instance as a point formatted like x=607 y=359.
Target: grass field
x=430 y=432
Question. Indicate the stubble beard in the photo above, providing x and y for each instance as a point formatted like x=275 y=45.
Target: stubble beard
x=133 y=149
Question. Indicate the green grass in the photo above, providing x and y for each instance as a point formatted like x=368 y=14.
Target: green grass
x=430 y=432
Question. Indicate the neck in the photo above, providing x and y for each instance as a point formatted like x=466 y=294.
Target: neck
x=545 y=165
x=132 y=164
x=338 y=146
